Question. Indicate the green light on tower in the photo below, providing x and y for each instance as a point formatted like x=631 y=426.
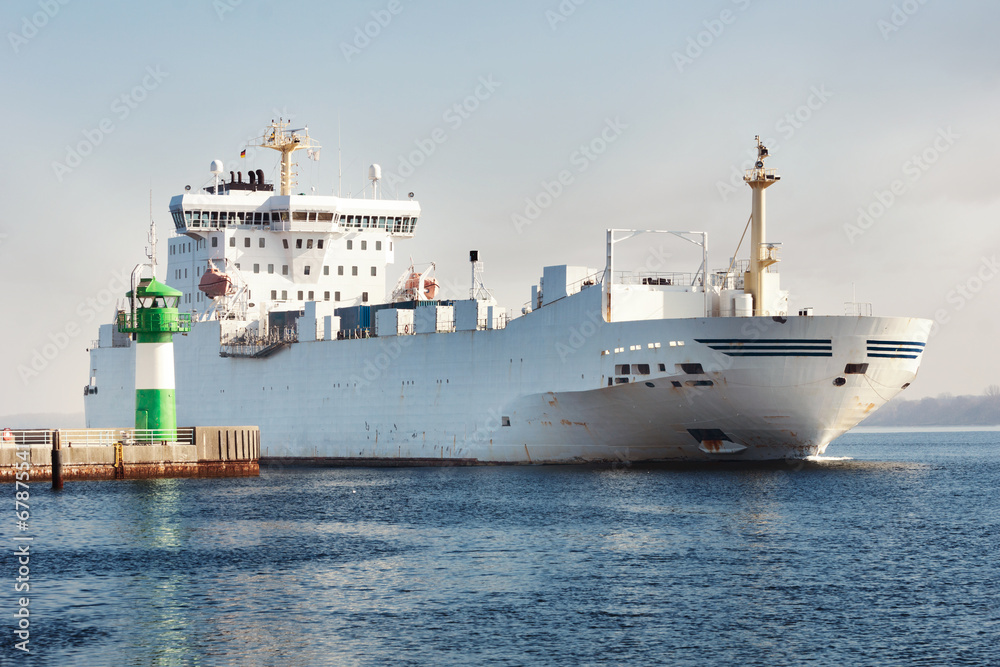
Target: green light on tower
x=154 y=319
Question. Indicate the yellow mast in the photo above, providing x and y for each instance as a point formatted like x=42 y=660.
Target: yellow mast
x=762 y=254
x=286 y=142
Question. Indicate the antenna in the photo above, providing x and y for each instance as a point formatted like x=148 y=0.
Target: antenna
x=374 y=174
x=152 y=237
x=478 y=290
x=340 y=163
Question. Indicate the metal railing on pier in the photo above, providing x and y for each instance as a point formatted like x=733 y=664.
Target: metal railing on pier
x=96 y=437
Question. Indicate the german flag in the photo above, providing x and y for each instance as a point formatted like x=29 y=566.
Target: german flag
x=243 y=153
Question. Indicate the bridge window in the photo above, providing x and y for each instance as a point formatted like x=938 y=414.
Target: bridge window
x=299 y=216
x=324 y=217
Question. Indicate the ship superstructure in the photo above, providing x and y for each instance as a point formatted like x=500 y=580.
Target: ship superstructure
x=294 y=331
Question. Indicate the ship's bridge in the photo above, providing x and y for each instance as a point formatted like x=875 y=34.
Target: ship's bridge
x=281 y=251
x=292 y=213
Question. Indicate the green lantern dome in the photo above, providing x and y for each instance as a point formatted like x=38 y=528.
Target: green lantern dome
x=154 y=310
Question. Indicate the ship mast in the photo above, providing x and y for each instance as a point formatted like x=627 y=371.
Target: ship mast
x=286 y=142
x=151 y=254
x=762 y=254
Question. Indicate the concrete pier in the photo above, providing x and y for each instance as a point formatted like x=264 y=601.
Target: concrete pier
x=199 y=451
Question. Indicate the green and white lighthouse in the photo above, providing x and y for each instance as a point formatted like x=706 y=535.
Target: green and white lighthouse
x=154 y=319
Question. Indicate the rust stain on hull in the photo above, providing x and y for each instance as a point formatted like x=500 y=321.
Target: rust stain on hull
x=711 y=445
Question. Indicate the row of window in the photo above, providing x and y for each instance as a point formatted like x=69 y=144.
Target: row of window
x=186 y=247
x=397 y=225
x=222 y=219
x=180 y=274
x=636 y=348
x=307 y=270
x=311 y=296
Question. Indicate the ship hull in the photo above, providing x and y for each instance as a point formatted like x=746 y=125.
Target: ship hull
x=552 y=387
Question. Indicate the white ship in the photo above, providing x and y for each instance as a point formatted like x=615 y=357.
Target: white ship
x=292 y=332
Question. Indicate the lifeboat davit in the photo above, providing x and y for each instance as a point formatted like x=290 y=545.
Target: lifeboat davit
x=413 y=287
x=215 y=283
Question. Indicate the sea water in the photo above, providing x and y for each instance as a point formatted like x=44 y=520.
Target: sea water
x=883 y=552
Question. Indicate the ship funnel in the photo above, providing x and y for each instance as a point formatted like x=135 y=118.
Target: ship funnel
x=260 y=177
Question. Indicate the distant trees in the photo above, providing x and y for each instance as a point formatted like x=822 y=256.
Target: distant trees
x=943 y=410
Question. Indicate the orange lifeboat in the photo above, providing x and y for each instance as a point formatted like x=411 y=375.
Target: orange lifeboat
x=215 y=283
x=412 y=286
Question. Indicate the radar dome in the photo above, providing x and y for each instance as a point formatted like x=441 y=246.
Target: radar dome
x=374 y=172
x=216 y=167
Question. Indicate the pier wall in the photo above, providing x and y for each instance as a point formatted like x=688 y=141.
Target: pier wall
x=206 y=451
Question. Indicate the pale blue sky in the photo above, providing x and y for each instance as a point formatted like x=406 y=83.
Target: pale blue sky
x=885 y=80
